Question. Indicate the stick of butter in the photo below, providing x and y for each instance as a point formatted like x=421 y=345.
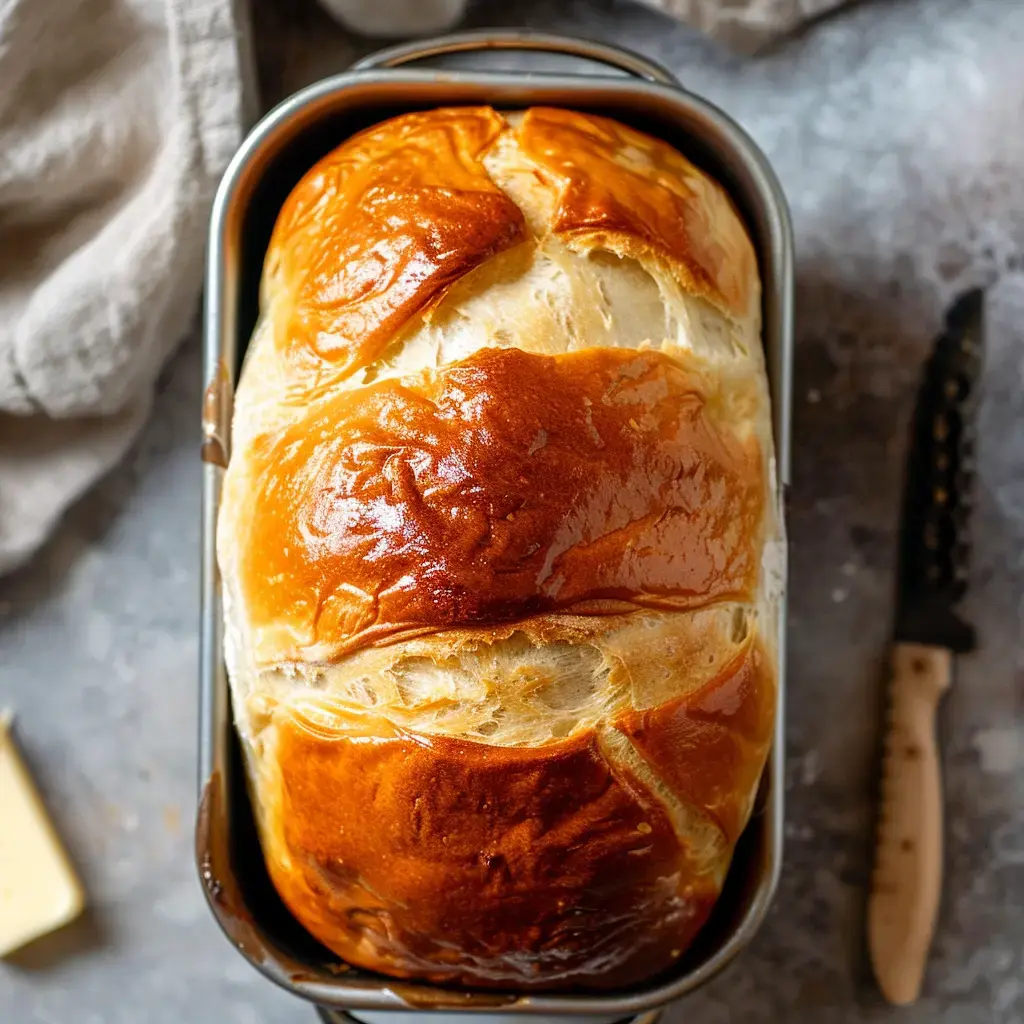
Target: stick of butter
x=39 y=891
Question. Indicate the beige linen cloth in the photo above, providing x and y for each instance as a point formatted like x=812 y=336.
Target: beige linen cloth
x=117 y=118
x=741 y=24
x=745 y=24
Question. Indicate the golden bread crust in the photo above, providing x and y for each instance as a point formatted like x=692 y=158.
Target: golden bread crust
x=381 y=226
x=624 y=190
x=498 y=867
x=500 y=549
x=412 y=505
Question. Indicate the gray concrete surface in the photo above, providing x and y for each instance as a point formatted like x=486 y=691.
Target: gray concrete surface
x=898 y=130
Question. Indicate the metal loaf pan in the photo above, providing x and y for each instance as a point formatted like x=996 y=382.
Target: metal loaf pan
x=270 y=162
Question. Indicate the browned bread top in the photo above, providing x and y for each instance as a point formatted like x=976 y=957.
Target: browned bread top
x=495 y=488
x=514 y=867
x=381 y=226
x=500 y=549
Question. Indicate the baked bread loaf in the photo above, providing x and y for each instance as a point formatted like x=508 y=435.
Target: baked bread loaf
x=499 y=544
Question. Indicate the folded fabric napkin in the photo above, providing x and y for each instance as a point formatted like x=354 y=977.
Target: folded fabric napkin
x=117 y=118
x=741 y=24
x=745 y=24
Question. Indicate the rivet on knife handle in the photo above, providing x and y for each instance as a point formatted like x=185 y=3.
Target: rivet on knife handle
x=907 y=879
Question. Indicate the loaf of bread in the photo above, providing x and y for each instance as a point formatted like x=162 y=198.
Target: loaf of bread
x=500 y=549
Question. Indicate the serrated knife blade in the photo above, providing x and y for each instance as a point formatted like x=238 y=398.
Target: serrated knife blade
x=937 y=494
x=932 y=578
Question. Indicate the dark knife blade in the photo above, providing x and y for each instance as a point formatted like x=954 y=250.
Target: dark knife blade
x=934 y=545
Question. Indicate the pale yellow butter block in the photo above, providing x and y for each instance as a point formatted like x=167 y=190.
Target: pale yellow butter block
x=39 y=891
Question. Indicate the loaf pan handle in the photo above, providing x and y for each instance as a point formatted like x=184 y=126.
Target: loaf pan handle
x=486 y=39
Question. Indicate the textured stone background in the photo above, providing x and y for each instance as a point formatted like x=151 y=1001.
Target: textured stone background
x=898 y=130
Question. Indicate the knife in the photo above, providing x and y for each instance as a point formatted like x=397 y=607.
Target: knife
x=932 y=578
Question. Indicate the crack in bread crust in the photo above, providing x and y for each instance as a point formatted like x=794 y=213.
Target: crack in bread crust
x=698 y=833
x=519 y=684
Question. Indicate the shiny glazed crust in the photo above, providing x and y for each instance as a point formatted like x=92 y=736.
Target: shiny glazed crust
x=500 y=549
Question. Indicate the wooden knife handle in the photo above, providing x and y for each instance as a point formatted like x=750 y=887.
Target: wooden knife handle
x=905 y=886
